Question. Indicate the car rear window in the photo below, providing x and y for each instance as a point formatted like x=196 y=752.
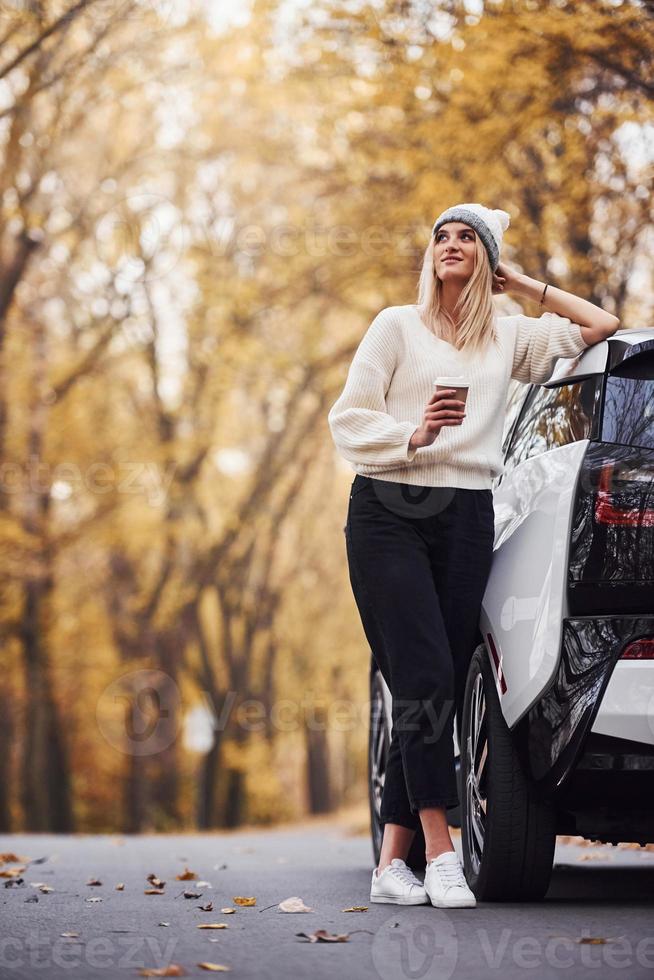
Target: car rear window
x=628 y=416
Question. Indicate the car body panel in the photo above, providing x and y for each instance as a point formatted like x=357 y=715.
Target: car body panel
x=627 y=707
x=524 y=603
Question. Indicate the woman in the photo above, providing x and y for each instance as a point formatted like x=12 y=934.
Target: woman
x=420 y=524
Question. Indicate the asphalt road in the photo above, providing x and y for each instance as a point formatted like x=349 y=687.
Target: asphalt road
x=598 y=893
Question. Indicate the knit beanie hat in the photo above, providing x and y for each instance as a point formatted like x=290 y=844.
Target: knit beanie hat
x=488 y=223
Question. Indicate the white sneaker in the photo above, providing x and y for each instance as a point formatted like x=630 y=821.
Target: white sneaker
x=445 y=882
x=397 y=884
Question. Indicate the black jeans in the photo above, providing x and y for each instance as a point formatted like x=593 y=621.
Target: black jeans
x=419 y=560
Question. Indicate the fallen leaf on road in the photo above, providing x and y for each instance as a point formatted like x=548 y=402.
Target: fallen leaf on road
x=187 y=875
x=294 y=904
x=155 y=882
x=204 y=884
x=321 y=935
x=214 y=967
x=153 y=891
x=173 y=970
x=213 y=925
x=188 y=894
x=120 y=887
x=241 y=900
x=356 y=908
x=69 y=935
x=593 y=940
x=206 y=908
x=8 y=857
x=46 y=889
x=228 y=911
x=13 y=872
x=92 y=899
x=93 y=881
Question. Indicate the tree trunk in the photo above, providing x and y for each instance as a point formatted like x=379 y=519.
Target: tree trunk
x=46 y=784
x=319 y=792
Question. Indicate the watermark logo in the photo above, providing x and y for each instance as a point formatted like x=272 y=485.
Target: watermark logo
x=404 y=949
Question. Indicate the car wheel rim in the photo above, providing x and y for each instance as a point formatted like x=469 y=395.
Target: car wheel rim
x=476 y=761
x=378 y=754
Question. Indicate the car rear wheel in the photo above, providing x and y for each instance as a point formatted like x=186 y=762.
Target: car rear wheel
x=508 y=836
x=379 y=740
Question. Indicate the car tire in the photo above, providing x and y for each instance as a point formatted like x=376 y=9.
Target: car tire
x=507 y=835
x=378 y=745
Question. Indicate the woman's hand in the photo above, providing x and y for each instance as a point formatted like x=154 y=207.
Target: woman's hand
x=441 y=409
x=505 y=279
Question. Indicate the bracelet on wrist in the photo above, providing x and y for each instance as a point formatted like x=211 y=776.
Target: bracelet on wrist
x=542 y=299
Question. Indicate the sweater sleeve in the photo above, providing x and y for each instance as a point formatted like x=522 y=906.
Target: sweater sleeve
x=361 y=428
x=540 y=341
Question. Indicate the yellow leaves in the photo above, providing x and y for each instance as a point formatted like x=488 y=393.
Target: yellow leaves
x=214 y=967
x=187 y=875
x=212 y=925
x=356 y=908
x=173 y=970
x=241 y=900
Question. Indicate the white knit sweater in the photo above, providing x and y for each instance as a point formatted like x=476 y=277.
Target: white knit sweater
x=390 y=380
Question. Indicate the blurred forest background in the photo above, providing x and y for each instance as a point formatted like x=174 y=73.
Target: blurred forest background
x=203 y=205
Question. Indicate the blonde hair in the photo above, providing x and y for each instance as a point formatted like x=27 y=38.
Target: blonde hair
x=476 y=313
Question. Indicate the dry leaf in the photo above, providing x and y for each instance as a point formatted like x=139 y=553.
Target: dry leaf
x=241 y=900
x=593 y=940
x=13 y=872
x=212 y=925
x=188 y=894
x=187 y=875
x=153 y=891
x=46 y=889
x=204 y=884
x=206 y=908
x=356 y=908
x=321 y=935
x=92 y=899
x=228 y=911
x=214 y=967
x=294 y=904
x=155 y=882
x=120 y=887
x=8 y=857
x=173 y=970
x=69 y=935
x=93 y=881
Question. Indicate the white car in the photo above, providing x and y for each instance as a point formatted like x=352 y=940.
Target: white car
x=557 y=727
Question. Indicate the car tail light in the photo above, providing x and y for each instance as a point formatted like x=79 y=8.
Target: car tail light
x=639 y=650
x=607 y=512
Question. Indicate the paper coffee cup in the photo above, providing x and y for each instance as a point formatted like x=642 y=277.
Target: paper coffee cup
x=459 y=382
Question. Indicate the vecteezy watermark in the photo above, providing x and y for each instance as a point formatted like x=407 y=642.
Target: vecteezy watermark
x=425 y=945
x=142 y=237
x=587 y=950
x=406 y=949
x=140 y=713
x=65 y=478
x=37 y=951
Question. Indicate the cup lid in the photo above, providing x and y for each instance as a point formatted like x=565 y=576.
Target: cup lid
x=452 y=381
